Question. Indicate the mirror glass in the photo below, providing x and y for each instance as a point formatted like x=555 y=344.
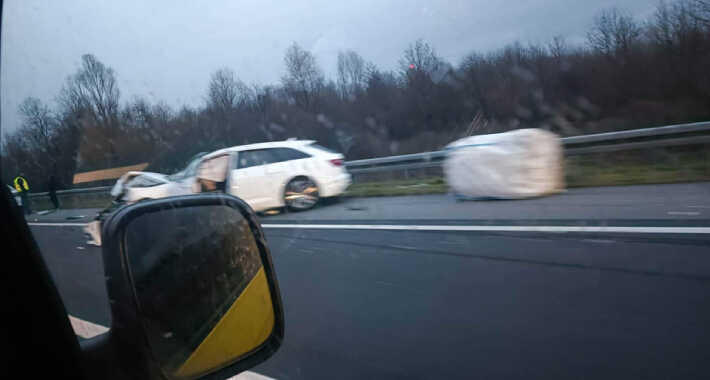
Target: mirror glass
x=202 y=291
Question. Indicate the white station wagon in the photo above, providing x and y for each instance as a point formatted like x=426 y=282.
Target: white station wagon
x=292 y=173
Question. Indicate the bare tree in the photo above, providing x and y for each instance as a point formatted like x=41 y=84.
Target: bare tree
x=263 y=100
x=89 y=102
x=419 y=57
x=557 y=47
x=16 y=156
x=38 y=123
x=304 y=79
x=93 y=88
x=677 y=23
x=162 y=114
x=39 y=148
x=703 y=14
x=614 y=31
x=622 y=78
x=352 y=73
x=226 y=91
x=137 y=114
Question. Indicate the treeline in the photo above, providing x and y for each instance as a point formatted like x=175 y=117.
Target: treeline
x=630 y=74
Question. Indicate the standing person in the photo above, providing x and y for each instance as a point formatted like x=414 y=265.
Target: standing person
x=23 y=188
x=53 y=191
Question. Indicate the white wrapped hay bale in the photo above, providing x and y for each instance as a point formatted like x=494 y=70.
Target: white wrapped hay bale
x=512 y=165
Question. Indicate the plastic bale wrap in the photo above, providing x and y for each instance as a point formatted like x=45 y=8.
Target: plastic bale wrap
x=512 y=165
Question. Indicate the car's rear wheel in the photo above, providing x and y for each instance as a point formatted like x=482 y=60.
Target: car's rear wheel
x=301 y=193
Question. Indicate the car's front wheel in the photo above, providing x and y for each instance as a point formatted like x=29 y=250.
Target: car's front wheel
x=301 y=193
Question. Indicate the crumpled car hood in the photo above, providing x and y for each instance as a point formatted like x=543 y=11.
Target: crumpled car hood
x=132 y=177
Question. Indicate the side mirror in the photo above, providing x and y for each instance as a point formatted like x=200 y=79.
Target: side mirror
x=192 y=289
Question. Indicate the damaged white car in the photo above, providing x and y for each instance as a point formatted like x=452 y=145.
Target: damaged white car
x=137 y=186
x=294 y=174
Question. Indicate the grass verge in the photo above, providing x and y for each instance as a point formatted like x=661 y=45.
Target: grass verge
x=429 y=185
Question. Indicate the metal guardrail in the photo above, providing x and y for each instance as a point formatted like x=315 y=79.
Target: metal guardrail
x=636 y=133
x=593 y=143
x=426 y=156
x=671 y=135
x=87 y=190
x=640 y=145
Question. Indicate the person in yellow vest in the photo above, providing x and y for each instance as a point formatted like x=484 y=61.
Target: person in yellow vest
x=23 y=188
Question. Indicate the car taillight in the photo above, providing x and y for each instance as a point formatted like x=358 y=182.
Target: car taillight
x=337 y=162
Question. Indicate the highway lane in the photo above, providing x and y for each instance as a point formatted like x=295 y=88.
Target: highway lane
x=683 y=201
x=367 y=304
x=77 y=270
x=645 y=202
x=413 y=304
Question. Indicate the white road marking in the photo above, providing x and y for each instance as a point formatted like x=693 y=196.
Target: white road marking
x=602 y=241
x=86 y=329
x=407 y=227
x=391 y=227
x=249 y=375
x=57 y=224
x=698 y=206
x=689 y=213
x=402 y=246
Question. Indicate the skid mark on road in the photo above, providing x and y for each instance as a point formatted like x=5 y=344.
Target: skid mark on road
x=377 y=248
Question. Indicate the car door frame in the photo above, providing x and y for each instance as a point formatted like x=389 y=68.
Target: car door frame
x=247 y=193
x=227 y=174
x=277 y=174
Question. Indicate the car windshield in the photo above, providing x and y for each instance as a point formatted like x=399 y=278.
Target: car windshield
x=189 y=170
x=449 y=189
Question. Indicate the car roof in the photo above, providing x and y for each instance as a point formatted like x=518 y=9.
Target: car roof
x=264 y=145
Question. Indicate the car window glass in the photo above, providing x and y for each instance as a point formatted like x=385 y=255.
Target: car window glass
x=256 y=157
x=286 y=154
x=213 y=169
x=189 y=171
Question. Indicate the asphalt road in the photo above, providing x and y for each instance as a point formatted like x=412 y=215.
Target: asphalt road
x=648 y=202
x=419 y=304
x=77 y=270
x=672 y=201
x=463 y=305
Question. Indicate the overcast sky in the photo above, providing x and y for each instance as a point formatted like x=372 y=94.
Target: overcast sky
x=167 y=49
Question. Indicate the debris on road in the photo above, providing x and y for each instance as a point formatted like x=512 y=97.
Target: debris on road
x=93 y=229
x=513 y=165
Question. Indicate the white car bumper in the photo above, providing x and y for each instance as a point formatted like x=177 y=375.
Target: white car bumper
x=335 y=186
